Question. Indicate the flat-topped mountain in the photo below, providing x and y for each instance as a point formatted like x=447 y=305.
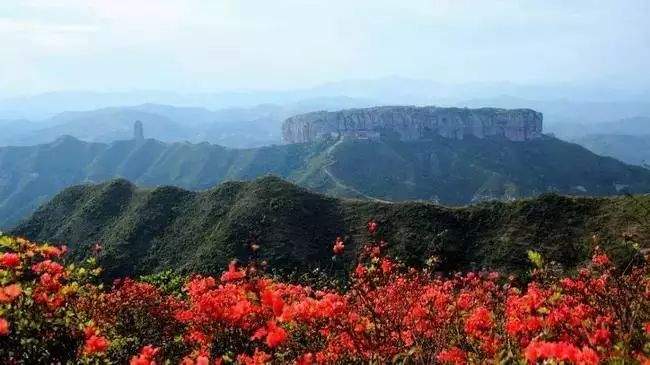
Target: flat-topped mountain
x=408 y=123
x=147 y=230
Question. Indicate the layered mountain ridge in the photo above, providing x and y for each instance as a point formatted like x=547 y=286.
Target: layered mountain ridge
x=447 y=171
x=147 y=230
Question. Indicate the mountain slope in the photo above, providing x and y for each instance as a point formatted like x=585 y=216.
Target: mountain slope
x=629 y=148
x=440 y=170
x=626 y=126
x=458 y=172
x=147 y=230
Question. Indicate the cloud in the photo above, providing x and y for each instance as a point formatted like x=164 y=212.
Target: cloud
x=293 y=43
x=15 y=26
x=145 y=12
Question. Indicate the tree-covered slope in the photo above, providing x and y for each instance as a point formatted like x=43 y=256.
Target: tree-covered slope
x=440 y=170
x=29 y=176
x=458 y=172
x=147 y=230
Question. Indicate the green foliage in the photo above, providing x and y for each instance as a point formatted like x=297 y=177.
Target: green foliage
x=440 y=170
x=167 y=281
x=458 y=172
x=144 y=231
x=536 y=259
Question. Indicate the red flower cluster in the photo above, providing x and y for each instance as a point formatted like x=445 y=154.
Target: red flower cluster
x=51 y=279
x=9 y=259
x=390 y=312
x=453 y=355
x=94 y=343
x=10 y=292
x=274 y=334
x=233 y=274
x=147 y=356
x=560 y=351
x=387 y=313
x=37 y=299
x=256 y=309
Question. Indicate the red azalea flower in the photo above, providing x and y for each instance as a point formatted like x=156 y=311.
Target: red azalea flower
x=453 y=355
x=306 y=359
x=339 y=247
x=360 y=271
x=52 y=251
x=273 y=300
x=386 y=266
x=146 y=357
x=600 y=260
x=275 y=335
x=561 y=351
x=4 y=327
x=479 y=321
x=258 y=358
x=600 y=337
x=10 y=292
x=233 y=274
x=94 y=343
x=202 y=360
x=9 y=259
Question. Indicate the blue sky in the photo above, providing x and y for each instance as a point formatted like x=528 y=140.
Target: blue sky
x=211 y=45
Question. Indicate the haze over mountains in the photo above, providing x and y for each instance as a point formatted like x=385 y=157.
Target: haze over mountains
x=253 y=118
x=548 y=98
x=607 y=121
x=233 y=127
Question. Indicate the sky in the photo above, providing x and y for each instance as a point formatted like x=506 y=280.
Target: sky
x=218 y=45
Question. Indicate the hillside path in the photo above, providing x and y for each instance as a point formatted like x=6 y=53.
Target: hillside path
x=337 y=181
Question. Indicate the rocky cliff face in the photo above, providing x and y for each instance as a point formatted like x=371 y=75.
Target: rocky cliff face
x=414 y=123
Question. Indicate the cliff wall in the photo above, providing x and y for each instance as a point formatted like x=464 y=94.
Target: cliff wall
x=414 y=123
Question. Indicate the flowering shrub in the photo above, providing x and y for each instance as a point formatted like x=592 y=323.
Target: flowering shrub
x=133 y=314
x=38 y=319
x=50 y=312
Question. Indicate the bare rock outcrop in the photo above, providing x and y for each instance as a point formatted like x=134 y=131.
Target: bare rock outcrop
x=410 y=123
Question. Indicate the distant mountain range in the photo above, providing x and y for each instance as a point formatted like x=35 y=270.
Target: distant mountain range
x=247 y=119
x=233 y=127
x=250 y=118
x=147 y=230
x=626 y=139
x=392 y=90
x=261 y=125
x=626 y=126
x=454 y=172
x=632 y=149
